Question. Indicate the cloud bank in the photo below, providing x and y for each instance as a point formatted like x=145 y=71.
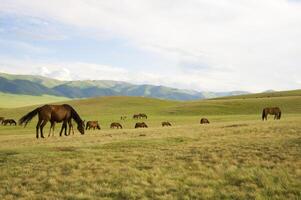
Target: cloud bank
x=208 y=44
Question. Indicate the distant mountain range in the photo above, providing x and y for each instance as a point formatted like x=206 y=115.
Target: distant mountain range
x=39 y=85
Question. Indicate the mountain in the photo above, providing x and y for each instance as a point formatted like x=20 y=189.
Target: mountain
x=39 y=85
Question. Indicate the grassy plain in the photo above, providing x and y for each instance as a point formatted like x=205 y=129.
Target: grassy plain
x=236 y=156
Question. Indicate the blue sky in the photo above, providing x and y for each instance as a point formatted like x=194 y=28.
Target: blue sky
x=205 y=45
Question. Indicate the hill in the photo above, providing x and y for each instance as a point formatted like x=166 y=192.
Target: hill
x=38 y=85
x=17 y=100
x=266 y=94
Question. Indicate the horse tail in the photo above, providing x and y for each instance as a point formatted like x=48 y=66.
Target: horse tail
x=279 y=115
x=263 y=114
x=28 y=117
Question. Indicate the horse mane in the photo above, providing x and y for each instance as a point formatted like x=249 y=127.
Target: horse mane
x=74 y=114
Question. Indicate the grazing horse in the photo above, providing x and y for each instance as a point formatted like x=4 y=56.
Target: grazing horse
x=92 y=124
x=139 y=116
x=141 y=125
x=116 y=125
x=142 y=115
x=272 y=111
x=123 y=118
x=9 y=121
x=204 y=121
x=136 y=116
x=54 y=113
x=166 y=124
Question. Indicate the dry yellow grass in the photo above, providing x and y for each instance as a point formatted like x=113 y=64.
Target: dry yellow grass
x=234 y=157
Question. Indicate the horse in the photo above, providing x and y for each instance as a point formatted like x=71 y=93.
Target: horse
x=272 y=111
x=116 y=125
x=141 y=125
x=204 y=121
x=9 y=121
x=123 y=118
x=92 y=124
x=142 y=115
x=54 y=113
x=166 y=124
x=136 y=116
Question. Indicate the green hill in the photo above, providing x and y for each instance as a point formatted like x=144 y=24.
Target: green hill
x=38 y=85
x=16 y=100
x=108 y=108
x=268 y=94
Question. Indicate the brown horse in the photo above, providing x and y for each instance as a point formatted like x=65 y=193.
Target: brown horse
x=142 y=115
x=136 y=116
x=204 y=121
x=9 y=121
x=139 y=116
x=272 y=111
x=141 y=125
x=166 y=124
x=92 y=124
x=54 y=113
x=116 y=125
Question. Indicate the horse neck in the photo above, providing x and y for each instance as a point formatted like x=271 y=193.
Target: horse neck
x=76 y=117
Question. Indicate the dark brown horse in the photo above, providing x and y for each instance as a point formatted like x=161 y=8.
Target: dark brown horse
x=204 y=121
x=166 y=124
x=141 y=125
x=116 y=125
x=143 y=115
x=140 y=116
x=92 y=124
x=272 y=111
x=55 y=114
x=9 y=121
x=136 y=116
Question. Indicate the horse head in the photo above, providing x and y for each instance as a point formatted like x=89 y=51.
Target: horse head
x=81 y=127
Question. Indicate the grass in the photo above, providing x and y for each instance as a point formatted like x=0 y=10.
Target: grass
x=237 y=156
x=17 y=100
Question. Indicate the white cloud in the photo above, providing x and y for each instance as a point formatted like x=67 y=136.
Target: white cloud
x=251 y=45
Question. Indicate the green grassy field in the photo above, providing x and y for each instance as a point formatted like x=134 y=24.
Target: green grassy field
x=236 y=156
x=16 y=100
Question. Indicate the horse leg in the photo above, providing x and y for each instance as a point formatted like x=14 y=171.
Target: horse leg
x=70 y=127
x=63 y=126
x=38 y=128
x=42 y=126
x=51 y=127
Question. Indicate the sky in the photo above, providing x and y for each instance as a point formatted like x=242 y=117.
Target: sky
x=203 y=45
